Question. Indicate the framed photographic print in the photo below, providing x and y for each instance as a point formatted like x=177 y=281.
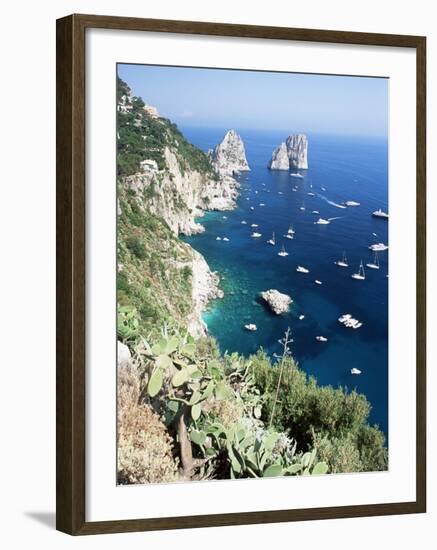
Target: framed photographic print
x=240 y=274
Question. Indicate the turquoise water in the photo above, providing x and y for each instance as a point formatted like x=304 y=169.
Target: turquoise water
x=349 y=169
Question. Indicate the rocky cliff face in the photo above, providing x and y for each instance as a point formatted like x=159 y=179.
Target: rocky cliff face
x=293 y=153
x=170 y=177
x=164 y=183
x=229 y=156
x=178 y=196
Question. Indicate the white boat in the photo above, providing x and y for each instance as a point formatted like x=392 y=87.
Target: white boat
x=322 y=221
x=311 y=194
x=321 y=338
x=315 y=212
x=256 y=192
x=378 y=247
x=272 y=241
x=296 y=175
x=283 y=252
x=301 y=269
x=343 y=261
x=253 y=225
x=252 y=208
x=225 y=239
x=318 y=282
x=244 y=222
x=225 y=217
x=280 y=193
x=250 y=327
x=380 y=214
x=294 y=189
x=302 y=207
x=218 y=238
x=323 y=188
x=261 y=204
x=348 y=321
x=360 y=276
x=375 y=263
x=352 y=203
x=355 y=371
x=288 y=236
x=255 y=235
x=301 y=317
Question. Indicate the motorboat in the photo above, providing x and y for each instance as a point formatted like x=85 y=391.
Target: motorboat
x=380 y=214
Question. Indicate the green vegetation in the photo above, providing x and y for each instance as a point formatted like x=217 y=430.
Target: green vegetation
x=155 y=273
x=140 y=137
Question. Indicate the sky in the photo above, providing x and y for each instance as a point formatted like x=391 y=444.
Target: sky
x=293 y=102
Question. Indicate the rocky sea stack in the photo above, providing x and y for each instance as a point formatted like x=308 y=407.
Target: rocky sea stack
x=293 y=153
x=279 y=303
x=229 y=157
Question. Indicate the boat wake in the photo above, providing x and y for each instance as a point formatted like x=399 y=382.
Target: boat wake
x=332 y=203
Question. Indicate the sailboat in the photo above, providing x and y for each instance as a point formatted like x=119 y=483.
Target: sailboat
x=343 y=261
x=375 y=264
x=291 y=230
x=272 y=240
x=360 y=276
x=283 y=252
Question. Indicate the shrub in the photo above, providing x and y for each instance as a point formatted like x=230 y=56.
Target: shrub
x=144 y=445
x=136 y=247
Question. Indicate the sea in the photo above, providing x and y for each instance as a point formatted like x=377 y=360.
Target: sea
x=341 y=168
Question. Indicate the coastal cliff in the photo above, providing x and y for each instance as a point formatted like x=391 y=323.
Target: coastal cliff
x=229 y=156
x=164 y=183
x=293 y=153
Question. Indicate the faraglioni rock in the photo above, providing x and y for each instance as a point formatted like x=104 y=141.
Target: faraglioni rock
x=229 y=157
x=293 y=153
x=280 y=160
x=279 y=303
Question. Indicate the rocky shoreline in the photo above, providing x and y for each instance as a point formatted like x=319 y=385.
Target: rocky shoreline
x=205 y=287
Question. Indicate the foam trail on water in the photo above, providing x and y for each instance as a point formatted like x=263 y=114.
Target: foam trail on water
x=332 y=202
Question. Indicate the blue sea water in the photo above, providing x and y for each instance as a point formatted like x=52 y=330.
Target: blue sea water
x=349 y=168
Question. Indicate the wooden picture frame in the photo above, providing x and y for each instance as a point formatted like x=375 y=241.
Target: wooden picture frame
x=71 y=247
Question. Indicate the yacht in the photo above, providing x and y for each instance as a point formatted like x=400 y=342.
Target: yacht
x=301 y=317
x=378 y=247
x=272 y=241
x=352 y=203
x=290 y=230
x=311 y=194
x=252 y=327
x=252 y=208
x=255 y=235
x=218 y=238
x=323 y=188
x=321 y=338
x=315 y=212
x=322 y=221
x=244 y=222
x=355 y=371
x=225 y=239
x=302 y=207
x=261 y=204
x=343 y=261
x=253 y=225
x=380 y=214
x=318 y=282
x=360 y=276
x=283 y=252
x=296 y=175
x=288 y=236
x=301 y=269
x=375 y=263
